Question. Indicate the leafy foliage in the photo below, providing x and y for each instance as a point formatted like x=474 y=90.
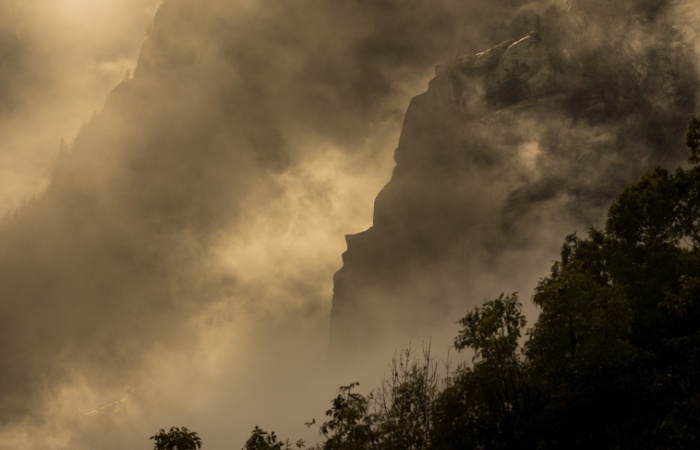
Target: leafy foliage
x=399 y=415
x=351 y=423
x=263 y=440
x=485 y=397
x=492 y=330
x=612 y=361
x=176 y=439
x=405 y=401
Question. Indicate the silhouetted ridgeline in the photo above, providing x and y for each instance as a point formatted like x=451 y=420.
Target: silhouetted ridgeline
x=507 y=150
x=168 y=238
x=121 y=254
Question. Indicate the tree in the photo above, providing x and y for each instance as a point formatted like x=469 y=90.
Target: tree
x=351 y=424
x=263 y=440
x=613 y=360
x=405 y=401
x=493 y=330
x=176 y=439
x=616 y=347
x=482 y=409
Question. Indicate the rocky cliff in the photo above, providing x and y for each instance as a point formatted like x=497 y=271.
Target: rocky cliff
x=506 y=152
x=175 y=199
x=167 y=220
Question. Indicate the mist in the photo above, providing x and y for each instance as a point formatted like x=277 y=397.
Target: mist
x=168 y=260
x=59 y=61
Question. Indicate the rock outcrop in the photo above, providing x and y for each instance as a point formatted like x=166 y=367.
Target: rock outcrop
x=121 y=255
x=506 y=152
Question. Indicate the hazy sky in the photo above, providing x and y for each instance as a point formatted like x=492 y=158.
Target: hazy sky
x=86 y=304
x=173 y=264
x=59 y=59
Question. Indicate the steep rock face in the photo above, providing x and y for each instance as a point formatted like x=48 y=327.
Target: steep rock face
x=118 y=258
x=507 y=151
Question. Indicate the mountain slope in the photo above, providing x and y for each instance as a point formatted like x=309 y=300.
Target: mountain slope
x=506 y=151
x=167 y=219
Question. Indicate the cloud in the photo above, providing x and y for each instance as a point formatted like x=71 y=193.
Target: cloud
x=59 y=60
x=603 y=92
x=175 y=266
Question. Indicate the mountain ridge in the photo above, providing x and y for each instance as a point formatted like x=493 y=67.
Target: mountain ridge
x=538 y=132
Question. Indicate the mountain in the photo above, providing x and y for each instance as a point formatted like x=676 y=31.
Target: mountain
x=195 y=200
x=188 y=235
x=508 y=150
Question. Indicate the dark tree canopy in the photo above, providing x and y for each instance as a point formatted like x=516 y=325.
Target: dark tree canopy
x=613 y=360
x=176 y=439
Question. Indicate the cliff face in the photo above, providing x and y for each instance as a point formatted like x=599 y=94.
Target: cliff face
x=130 y=246
x=142 y=245
x=506 y=152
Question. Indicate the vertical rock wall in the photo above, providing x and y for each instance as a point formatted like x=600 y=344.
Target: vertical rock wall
x=506 y=152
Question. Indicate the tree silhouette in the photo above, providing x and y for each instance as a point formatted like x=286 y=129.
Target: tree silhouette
x=176 y=439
